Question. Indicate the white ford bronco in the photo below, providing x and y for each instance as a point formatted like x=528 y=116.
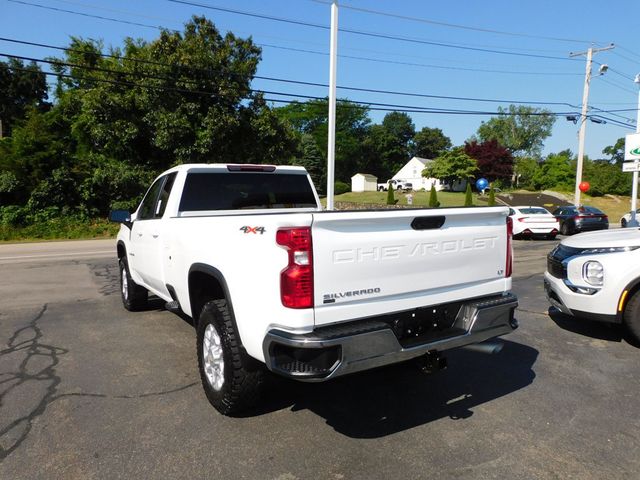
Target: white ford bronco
x=272 y=282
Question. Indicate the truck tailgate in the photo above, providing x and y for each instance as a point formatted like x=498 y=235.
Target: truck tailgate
x=371 y=263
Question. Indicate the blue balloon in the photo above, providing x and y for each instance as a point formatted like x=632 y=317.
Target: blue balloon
x=482 y=184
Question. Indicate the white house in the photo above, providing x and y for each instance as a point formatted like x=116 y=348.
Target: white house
x=412 y=172
x=364 y=182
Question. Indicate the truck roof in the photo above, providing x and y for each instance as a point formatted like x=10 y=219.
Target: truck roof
x=189 y=167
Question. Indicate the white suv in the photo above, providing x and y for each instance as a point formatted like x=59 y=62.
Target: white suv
x=596 y=276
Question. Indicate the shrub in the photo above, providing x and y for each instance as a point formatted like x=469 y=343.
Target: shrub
x=492 y=197
x=340 y=187
x=468 y=199
x=433 y=197
x=391 y=200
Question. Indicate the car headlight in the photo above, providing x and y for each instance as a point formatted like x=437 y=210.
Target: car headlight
x=593 y=273
x=592 y=251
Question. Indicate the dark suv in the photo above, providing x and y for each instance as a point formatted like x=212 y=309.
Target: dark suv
x=580 y=219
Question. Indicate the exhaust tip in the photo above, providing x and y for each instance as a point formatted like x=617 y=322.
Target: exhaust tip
x=485 y=347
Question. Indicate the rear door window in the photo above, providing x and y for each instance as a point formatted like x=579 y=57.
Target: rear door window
x=245 y=190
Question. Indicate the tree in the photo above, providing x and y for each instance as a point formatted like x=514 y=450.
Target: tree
x=166 y=105
x=430 y=143
x=312 y=160
x=452 y=165
x=21 y=87
x=557 y=171
x=525 y=170
x=433 y=197
x=352 y=127
x=606 y=177
x=389 y=144
x=494 y=161
x=492 y=197
x=390 y=197
x=468 y=197
x=520 y=128
x=616 y=151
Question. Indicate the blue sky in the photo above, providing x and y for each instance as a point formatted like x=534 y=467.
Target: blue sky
x=524 y=30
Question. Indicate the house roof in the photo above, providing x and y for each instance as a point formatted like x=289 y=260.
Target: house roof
x=368 y=176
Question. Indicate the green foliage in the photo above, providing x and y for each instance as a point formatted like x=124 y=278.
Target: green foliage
x=21 y=87
x=352 y=124
x=433 y=197
x=58 y=228
x=390 y=144
x=492 y=197
x=557 y=171
x=452 y=165
x=520 y=128
x=616 y=151
x=391 y=200
x=605 y=177
x=311 y=159
x=430 y=143
x=525 y=170
x=340 y=187
x=468 y=197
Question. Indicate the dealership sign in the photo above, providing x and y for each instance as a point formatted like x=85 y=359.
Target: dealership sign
x=632 y=147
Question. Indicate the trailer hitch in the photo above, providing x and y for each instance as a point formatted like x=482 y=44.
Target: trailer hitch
x=431 y=362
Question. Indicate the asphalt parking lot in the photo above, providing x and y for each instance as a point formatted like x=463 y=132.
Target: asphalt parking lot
x=88 y=390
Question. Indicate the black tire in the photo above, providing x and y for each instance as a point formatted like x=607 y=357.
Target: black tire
x=564 y=229
x=632 y=316
x=242 y=376
x=623 y=223
x=134 y=297
x=551 y=236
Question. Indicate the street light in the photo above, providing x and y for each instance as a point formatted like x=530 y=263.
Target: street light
x=583 y=116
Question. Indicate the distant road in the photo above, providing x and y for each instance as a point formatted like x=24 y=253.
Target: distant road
x=51 y=251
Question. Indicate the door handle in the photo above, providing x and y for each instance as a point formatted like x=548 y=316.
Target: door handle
x=155 y=236
x=139 y=234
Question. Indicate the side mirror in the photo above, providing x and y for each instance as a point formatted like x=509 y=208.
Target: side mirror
x=121 y=216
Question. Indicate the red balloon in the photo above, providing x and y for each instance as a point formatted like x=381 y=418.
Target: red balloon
x=584 y=186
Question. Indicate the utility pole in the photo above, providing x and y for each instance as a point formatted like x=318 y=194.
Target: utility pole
x=634 y=190
x=333 y=65
x=583 y=116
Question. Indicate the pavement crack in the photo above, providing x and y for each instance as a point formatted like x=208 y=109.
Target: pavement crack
x=13 y=432
x=127 y=397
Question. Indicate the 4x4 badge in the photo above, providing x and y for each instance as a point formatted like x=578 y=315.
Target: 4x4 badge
x=254 y=230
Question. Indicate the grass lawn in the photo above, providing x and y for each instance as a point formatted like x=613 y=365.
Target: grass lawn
x=420 y=199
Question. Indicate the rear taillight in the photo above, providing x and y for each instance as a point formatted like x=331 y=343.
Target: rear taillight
x=604 y=217
x=522 y=219
x=509 y=265
x=296 y=280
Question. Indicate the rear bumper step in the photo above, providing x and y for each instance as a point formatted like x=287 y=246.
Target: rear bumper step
x=337 y=350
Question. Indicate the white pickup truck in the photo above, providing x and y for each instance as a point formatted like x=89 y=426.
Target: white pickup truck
x=270 y=279
x=396 y=184
x=596 y=276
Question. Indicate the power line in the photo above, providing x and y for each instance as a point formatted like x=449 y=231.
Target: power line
x=452 y=25
x=276 y=79
x=365 y=33
x=631 y=52
x=89 y=15
x=424 y=65
x=616 y=85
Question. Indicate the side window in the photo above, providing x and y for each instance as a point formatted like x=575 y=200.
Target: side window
x=164 y=195
x=147 y=207
x=512 y=211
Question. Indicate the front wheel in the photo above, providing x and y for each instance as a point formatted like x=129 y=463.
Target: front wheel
x=134 y=297
x=632 y=316
x=231 y=380
x=623 y=223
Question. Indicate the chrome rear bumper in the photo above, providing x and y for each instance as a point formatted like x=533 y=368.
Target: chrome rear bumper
x=338 y=350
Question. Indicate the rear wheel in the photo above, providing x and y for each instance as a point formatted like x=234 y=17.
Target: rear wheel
x=231 y=380
x=623 y=223
x=564 y=229
x=134 y=297
x=632 y=316
x=551 y=236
